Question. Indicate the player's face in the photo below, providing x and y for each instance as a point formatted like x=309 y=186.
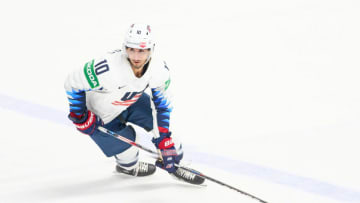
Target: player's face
x=138 y=57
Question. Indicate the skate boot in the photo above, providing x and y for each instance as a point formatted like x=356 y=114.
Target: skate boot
x=188 y=177
x=142 y=169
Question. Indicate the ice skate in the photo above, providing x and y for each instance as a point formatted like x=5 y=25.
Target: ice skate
x=142 y=169
x=184 y=175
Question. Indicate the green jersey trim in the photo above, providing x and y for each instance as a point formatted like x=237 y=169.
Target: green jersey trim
x=90 y=74
x=167 y=83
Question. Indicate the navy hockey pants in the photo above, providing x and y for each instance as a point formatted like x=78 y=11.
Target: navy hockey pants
x=140 y=113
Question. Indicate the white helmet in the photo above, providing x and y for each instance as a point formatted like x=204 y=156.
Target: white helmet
x=139 y=36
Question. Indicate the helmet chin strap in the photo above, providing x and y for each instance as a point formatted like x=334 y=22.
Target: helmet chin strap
x=148 y=59
x=151 y=53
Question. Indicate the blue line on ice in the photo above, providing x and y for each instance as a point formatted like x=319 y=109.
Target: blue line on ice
x=234 y=166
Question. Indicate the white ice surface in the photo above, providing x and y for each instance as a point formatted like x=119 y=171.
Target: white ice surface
x=266 y=99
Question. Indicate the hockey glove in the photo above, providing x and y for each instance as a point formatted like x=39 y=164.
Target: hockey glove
x=86 y=123
x=168 y=153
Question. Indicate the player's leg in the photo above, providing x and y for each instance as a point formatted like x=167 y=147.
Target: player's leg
x=126 y=156
x=140 y=113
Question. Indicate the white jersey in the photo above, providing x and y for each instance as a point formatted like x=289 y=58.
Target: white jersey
x=111 y=86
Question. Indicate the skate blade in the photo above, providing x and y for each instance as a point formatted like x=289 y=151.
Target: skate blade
x=183 y=181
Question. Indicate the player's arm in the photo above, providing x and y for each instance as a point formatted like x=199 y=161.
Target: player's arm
x=162 y=102
x=76 y=85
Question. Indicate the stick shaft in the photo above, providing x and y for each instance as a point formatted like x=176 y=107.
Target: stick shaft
x=124 y=139
x=104 y=130
x=223 y=184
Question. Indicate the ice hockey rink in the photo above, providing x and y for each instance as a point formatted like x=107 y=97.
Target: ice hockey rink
x=266 y=99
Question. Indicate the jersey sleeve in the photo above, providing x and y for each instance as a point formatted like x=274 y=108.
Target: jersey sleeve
x=76 y=85
x=162 y=99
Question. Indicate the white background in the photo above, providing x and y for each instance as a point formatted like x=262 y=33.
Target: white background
x=266 y=99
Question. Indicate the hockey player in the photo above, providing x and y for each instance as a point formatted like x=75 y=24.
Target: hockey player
x=110 y=92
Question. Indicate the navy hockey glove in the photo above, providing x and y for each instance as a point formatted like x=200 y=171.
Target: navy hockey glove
x=168 y=153
x=86 y=123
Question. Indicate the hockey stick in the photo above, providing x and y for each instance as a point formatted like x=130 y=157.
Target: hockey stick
x=104 y=130
x=124 y=139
